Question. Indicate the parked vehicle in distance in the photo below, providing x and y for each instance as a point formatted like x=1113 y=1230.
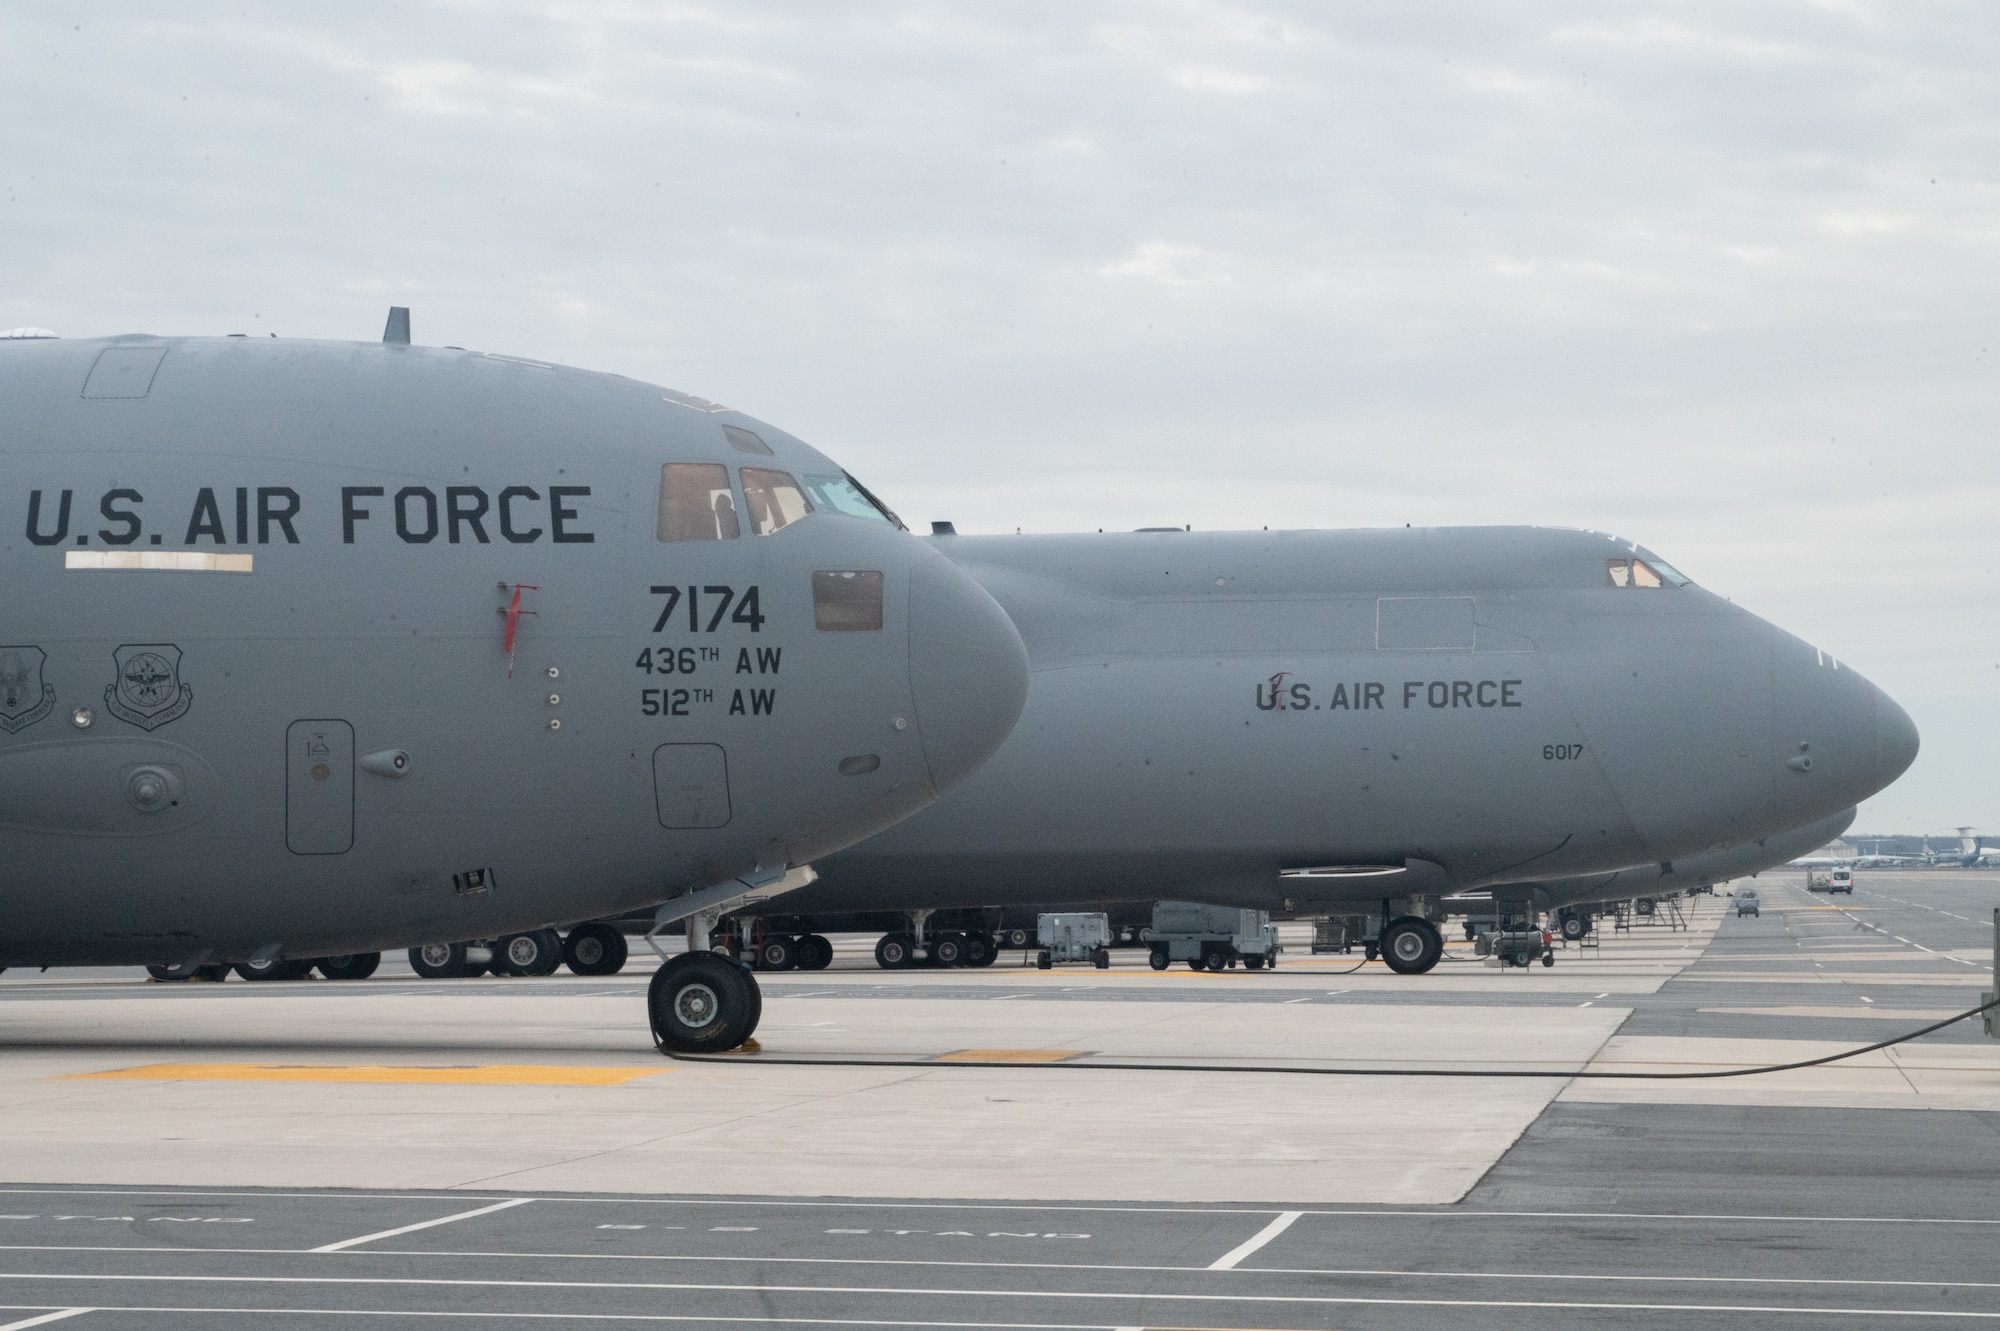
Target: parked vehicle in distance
x=1746 y=903
x=1840 y=880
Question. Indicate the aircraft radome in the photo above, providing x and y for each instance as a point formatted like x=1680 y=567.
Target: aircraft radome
x=1367 y=721
x=318 y=648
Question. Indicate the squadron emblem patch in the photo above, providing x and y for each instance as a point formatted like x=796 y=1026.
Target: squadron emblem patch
x=25 y=697
x=148 y=691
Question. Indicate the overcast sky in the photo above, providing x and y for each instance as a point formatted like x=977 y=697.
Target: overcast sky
x=1720 y=278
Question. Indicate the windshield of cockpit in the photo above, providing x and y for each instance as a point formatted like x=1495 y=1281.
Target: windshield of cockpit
x=844 y=494
x=1647 y=571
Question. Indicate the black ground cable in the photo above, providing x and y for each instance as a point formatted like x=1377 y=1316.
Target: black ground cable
x=1337 y=1072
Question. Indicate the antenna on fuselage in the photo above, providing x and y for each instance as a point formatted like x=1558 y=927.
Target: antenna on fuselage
x=398 y=328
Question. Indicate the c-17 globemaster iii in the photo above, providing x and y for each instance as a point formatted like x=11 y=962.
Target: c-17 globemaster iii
x=1369 y=721
x=322 y=648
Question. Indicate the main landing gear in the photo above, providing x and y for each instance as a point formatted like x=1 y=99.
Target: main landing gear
x=1411 y=945
x=703 y=1003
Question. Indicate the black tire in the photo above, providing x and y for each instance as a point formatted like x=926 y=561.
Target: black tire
x=1101 y=958
x=1411 y=945
x=1253 y=963
x=595 y=949
x=1017 y=938
x=353 y=966
x=1043 y=961
x=700 y=1003
x=274 y=970
x=439 y=961
x=778 y=952
x=1574 y=927
x=179 y=973
x=978 y=950
x=538 y=952
x=1215 y=959
x=948 y=950
x=1159 y=960
x=894 y=952
x=1548 y=958
x=815 y=953
x=1370 y=951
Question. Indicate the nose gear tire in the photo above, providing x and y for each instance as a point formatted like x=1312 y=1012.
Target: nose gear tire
x=700 y=1003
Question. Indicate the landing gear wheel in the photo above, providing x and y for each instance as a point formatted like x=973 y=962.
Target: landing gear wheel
x=948 y=950
x=978 y=950
x=815 y=953
x=1411 y=945
x=439 y=961
x=777 y=953
x=274 y=970
x=894 y=951
x=352 y=966
x=537 y=953
x=175 y=974
x=700 y=1003
x=1159 y=960
x=594 y=949
x=1017 y=938
x=1574 y=927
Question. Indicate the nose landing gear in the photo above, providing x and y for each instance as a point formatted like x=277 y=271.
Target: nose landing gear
x=703 y=1003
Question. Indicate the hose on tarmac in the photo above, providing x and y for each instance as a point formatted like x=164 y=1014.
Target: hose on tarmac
x=1578 y=1074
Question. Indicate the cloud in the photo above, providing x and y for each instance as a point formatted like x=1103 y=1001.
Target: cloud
x=1717 y=277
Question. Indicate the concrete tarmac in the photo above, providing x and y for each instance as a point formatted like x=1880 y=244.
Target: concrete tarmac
x=396 y=1152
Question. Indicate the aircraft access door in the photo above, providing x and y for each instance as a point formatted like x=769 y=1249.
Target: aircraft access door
x=691 y=785
x=319 y=787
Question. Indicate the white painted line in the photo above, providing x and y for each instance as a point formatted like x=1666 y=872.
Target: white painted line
x=345 y=1244
x=1086 y=1297
x=1288 y=1002
x=1228 y=1260
x=64 y=1315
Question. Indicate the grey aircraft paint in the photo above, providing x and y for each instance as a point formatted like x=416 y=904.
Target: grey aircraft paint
x=1693 y=873
x=256 y=697
x=1464 y=708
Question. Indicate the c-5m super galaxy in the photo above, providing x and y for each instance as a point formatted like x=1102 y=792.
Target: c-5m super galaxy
x=1347 y=722
x=312 y=649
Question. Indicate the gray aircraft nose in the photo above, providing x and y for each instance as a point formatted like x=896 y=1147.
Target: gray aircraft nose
x=1840 y=739
x=1896 y=740
x=968 y=670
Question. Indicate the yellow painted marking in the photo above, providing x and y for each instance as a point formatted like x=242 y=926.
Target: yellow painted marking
x=490 y=1075
x=1009 y=1056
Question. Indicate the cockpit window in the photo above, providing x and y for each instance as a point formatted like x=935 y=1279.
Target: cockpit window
x=844 y=494
x=847 y=600
x=1643 y=573
x=745 y=441
x=696 y=503
x=773 y=498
